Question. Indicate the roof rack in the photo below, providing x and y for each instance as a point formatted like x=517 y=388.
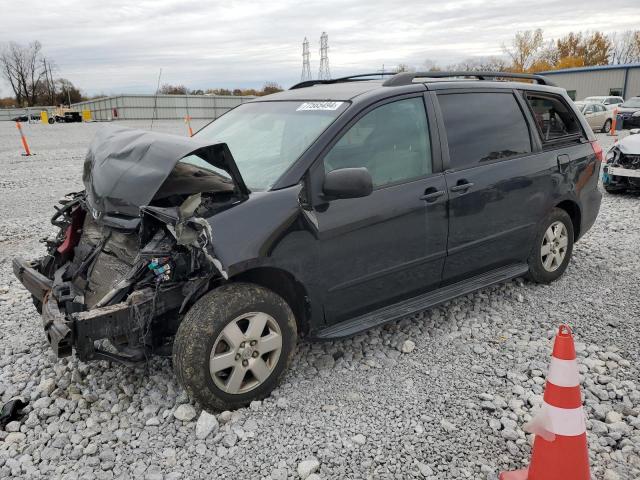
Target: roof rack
x=406 y=78
x=350 y=78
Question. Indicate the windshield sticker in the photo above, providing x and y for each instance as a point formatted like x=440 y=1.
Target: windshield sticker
x=307 y=106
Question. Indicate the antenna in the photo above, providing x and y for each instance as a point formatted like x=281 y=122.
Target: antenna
x=155 y=100
x=306 y=67
x=324 y=73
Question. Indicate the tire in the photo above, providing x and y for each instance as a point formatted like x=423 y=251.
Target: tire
x=614 y=190
x=51 y=121
x=606 y=128
x=544 y=271
x=247 y=306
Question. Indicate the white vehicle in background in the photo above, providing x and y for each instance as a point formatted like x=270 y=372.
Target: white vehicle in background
x=609 y=102
x=598 y=117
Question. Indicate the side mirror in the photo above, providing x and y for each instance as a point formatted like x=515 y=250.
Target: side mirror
x=347 y=183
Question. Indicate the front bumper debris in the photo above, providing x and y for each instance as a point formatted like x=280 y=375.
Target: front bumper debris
x=67 y=329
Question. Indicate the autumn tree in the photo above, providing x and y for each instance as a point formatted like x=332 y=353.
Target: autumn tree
x=524 y=49
x=271 y=87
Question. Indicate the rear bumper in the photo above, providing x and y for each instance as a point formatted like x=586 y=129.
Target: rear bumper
x=67 y=327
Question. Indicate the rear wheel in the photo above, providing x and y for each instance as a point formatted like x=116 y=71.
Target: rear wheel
x=606 y=128
x=552 y=248
x=234 y=345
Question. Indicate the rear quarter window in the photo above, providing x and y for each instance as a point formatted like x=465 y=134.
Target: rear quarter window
x=483 y=127
x=553 y=118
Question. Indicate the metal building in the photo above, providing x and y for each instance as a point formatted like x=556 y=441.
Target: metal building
x=162 y=107
x=617 y=80
x=9 y=113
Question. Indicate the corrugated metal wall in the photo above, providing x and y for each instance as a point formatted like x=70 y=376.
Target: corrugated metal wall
x=142 y=107
x=633 y=83
x=9 y=113
x=590 y=83
x=599 y=81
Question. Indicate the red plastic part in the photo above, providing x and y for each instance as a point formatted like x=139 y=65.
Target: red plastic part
x=72 y=233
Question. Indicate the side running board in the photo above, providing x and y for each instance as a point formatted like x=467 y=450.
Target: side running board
x=417 y=304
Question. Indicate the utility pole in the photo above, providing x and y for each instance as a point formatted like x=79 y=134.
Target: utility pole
x=306 y=66
x=324 y=72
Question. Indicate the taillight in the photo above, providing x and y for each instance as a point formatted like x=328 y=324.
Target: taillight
x=597 y=149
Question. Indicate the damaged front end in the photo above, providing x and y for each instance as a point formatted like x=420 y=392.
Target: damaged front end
x=134 y=250
x=622 y=168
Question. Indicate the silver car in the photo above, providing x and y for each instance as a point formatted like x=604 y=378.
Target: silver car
x=599 y=118
x=609 y=102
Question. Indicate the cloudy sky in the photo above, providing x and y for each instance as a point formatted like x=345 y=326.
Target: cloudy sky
x=113 y=46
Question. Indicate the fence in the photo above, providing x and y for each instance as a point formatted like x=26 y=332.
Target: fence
x=11 y=113
x=142 y=107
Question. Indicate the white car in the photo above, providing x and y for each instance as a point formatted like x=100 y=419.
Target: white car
x=598 y=117
x=609 y=102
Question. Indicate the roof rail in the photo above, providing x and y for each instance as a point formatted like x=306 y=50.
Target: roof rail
x=350 y=78
x=406 y=78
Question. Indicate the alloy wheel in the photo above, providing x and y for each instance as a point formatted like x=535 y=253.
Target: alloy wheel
x=245 y=352
x=554 y=246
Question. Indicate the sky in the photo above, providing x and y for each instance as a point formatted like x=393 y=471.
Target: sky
x=117 y=46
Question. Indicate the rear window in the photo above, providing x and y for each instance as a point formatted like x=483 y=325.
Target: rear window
x=554 y=119
x=483 y=127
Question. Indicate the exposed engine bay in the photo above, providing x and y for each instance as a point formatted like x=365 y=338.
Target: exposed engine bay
x=134 y=249
x=622 y=170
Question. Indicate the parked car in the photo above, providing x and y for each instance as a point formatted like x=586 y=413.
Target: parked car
x=318 y=212
x=621 y=171
x=598 y=117
x=609 y=102
x=629 y=113
x=25 y=118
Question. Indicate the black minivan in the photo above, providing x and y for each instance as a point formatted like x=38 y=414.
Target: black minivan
x=317 y=212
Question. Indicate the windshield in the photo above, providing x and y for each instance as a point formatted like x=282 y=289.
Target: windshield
x=632 y=102
x=266 y=138
x=594 y=99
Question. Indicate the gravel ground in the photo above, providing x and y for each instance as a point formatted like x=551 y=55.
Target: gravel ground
x=441 y=395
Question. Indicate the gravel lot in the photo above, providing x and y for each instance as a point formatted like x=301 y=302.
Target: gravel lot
x=449 y=405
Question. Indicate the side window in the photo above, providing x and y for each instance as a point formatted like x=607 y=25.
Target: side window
x=482 y=127
x=554 y=119
x=591 y=108
x=392 y=141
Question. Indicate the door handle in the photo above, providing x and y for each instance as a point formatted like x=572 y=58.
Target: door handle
x=431 y=194
x=462 y=187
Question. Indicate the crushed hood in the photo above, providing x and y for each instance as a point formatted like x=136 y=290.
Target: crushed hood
x=630 y=145
x=124 y=168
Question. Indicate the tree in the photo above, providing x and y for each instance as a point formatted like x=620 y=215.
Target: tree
x=167 y=89
x=22 y=67
x=430 y=65
x=66 y=92
x=271 y=87
x=524 y=49
x=480 y=64
x=597 y=49
x=625 y=47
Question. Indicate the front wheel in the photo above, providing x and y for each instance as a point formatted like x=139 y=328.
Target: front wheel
x=234 y=345
x=552 y=247
x=606 y=128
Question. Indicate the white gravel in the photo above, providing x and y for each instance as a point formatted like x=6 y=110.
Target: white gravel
x=442 y=395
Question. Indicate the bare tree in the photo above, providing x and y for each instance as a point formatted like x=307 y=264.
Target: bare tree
x=625 y=47
x=430 y=65
x=22 y=67
x=481 y=64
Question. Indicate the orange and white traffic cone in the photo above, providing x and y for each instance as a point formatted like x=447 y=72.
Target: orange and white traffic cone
x=560 y=446
x=614 y=122
x=187 y=120
x=27 y=151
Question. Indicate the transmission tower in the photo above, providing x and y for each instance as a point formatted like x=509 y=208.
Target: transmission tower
x=324 y=73
x=306 y=67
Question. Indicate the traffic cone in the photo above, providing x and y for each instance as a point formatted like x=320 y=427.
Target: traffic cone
x=560 y=445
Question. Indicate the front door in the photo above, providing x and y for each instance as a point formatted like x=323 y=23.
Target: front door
x=391 y=244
